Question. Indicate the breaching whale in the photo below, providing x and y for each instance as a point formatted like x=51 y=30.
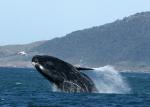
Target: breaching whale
x=66 y=77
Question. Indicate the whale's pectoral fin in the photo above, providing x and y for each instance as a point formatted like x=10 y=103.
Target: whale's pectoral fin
x=81 y=68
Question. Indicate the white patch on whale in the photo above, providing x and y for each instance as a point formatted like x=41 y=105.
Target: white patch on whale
x=40 y=66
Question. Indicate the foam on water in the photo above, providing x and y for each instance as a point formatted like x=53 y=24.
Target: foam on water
x=18 y=83
x=54 y=88
x=108 y=80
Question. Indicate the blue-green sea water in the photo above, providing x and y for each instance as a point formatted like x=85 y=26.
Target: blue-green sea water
x=27 y=88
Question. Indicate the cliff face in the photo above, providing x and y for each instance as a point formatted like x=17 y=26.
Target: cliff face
x=124 y=43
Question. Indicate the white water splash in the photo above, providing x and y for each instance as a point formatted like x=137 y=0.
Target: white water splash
x=54 y=88
x=108 y=80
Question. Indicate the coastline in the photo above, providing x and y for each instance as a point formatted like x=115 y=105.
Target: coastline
x=118 y=68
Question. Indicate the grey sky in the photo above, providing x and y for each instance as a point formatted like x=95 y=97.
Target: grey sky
x=24 y=21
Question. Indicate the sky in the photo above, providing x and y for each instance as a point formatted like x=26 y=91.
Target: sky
x=25 y=21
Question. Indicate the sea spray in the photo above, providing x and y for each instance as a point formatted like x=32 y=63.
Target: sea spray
x=54 y=88
x=108 y=80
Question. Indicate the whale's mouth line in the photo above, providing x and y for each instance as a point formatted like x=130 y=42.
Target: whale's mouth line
x=37 y=64
x=33 y=63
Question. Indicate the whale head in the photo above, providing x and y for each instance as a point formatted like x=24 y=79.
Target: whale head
x=50 y=67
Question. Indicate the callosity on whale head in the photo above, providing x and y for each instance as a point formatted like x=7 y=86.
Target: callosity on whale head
x=65 y=76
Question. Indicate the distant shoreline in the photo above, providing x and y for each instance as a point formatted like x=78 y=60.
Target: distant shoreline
x=120 y=69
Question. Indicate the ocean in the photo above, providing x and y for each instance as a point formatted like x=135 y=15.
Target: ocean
x=22 y=87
